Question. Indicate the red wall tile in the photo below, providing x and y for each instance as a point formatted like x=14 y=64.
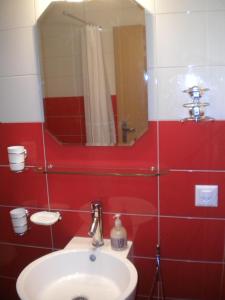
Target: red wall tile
x=27 y=188
x=26 y=134
x=8 y=289
x=64 y=106
x=191 y=145
x=197 y=239
x=64 y=118
x=177 y=194
x=117 y=194
x=190 y=280
x=35 y=236
x=194 y=245
x=14 y=258
x=142 y=154
x=145 y=267
x=64 y=125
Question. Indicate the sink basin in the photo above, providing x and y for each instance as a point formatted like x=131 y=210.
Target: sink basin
x=78 y=274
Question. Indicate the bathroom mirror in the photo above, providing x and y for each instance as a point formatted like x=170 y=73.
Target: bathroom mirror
x=93 y=71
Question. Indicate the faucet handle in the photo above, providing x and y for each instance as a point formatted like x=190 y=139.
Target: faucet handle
x=96 y=205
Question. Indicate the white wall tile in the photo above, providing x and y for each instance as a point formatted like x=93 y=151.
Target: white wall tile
x=63 y=86
x=190 y=39
x=215 y=30
x=21 y=99
x=153 y=106
x=181 y=39
x=17 y=52
x=168 y=6
x=14 y=13
x=151 y=47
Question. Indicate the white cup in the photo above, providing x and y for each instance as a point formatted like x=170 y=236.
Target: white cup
x=17 y=167
x=17 y=156
x=20 y=229
x=19 y=220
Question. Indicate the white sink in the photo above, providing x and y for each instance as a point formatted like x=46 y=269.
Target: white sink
x=78 y=274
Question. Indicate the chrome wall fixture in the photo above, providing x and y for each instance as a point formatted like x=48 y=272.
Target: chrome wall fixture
x=196 y=107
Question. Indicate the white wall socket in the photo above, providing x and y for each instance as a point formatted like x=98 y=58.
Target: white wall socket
x=206 y=195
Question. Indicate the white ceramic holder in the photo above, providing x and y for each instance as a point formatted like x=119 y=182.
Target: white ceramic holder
x=17 y=156
x=19 y=220
x=45 y=218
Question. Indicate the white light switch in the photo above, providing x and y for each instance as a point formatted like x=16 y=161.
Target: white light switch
x=206 y=195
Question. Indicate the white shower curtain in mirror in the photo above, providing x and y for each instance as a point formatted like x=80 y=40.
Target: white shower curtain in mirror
x=99 y=118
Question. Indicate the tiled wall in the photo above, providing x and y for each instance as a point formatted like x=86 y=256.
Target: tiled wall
x=186 y=47
x=65 y=118
x=154 y=209
x=136 y=198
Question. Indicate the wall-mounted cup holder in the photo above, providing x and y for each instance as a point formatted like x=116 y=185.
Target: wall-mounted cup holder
x=17 y=156
x=19 y=220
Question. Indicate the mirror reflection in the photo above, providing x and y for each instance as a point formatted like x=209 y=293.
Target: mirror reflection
x=93 y=64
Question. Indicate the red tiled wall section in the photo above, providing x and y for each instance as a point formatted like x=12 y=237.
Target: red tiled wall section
x=65 y=118
x=154 y=209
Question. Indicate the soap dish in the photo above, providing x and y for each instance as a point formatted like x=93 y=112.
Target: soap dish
x=45 y=218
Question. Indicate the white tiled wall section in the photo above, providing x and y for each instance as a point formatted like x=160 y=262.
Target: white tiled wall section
x=167 y=85
x=186 y=42
x=20 y=99
x=14 y=14
x=18 y=55
x=177 y=6
x=19 y=80
x=187 y=47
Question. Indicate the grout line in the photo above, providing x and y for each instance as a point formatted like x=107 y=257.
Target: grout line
x=17 y=28
x=192 y=218
x=25 y=245
x=194 y=261
x=196 y=171
x=188 y=12
x=15 y=76
x=79 y=211
x=129 y=214
x=157 y=137
x=132 y=256
x=7 y=277
x=222 y=262
x=158 y=185
x=28 y=207
x=143 y=257
x=152 y=67
x=123 y=213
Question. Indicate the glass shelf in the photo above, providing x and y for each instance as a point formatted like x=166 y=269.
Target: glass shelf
x=94 y=171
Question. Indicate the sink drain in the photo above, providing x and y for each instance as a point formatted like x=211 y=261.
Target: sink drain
x=80 y=298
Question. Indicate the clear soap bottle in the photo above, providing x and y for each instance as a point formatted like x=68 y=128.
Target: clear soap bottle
x=118 y=235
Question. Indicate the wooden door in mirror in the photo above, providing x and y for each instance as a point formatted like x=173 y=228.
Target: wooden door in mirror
x=131 y=87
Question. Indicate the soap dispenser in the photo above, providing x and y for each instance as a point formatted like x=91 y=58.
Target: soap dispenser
x=118 y=235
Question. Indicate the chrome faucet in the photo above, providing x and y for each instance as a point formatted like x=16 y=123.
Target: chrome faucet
x=96 y=230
